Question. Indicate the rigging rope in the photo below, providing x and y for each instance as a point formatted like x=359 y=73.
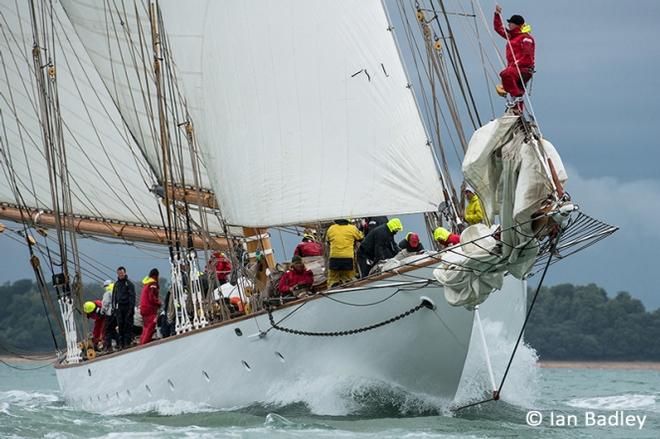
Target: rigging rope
x=497 y=393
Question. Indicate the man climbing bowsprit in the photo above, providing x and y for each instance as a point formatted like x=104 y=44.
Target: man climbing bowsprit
x=519 y=57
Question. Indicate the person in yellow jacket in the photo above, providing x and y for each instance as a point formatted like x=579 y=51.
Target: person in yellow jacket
x=474 y=212
x=342 y=237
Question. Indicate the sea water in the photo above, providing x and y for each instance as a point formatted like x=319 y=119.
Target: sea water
x=556 y=403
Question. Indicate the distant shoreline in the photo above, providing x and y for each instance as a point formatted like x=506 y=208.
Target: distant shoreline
x=13 y=359
x=632 y=365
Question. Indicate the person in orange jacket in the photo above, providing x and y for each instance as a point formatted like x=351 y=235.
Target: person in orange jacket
x=149 y=304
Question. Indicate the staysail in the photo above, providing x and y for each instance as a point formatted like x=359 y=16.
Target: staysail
x=301 y=116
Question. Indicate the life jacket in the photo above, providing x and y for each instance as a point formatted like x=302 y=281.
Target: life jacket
x=238 y=303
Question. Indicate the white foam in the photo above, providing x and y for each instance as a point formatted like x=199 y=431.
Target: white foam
x=162 y=407
x=340 y=395
x=27 y=399
x=616 y=402
x=522 y=380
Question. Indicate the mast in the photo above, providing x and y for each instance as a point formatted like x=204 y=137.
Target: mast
x=55 y=154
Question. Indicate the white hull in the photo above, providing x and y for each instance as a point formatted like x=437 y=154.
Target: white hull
x=422 y=353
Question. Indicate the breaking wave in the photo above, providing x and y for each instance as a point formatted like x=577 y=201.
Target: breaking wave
x=161 y=407
x=26 y=400
x=522 y=380
x=353 y=396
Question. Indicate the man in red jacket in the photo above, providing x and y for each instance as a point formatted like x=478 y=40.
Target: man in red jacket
x=519 y=54
x=93 y=311
x=222 y=267
x=149 y=304
x=445 y=238
x=296 y=278
x=308 y=247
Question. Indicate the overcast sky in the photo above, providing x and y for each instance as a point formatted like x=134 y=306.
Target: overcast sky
x=596 y=95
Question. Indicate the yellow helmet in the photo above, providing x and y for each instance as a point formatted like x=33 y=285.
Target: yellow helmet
x=440 y=234
x=394 y=225
x=89 y=307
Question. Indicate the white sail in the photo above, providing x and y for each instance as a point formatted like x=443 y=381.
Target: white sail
x=109 y=176
x=117 y=38
x=301 y=109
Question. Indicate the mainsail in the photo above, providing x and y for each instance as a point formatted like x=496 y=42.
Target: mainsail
x=110 y=178
x=301 y=116
x=117 y=38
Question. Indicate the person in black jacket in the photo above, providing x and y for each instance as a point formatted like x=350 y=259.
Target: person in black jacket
x=371 y=222
x=378 y=245
x=123 y=305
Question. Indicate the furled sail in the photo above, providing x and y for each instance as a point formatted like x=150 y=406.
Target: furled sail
x=301 y=109
x=508 y=167
x=110 y=179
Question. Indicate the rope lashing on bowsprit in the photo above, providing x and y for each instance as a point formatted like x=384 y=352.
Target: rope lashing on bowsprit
x=425 y=303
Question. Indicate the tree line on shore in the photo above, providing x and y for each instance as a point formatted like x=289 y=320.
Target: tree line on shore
x=568 y=322
x=572 y=322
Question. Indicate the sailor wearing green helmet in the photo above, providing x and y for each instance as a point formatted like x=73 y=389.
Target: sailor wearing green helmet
x=445 y=238
x=93 y=311
x=378 y=245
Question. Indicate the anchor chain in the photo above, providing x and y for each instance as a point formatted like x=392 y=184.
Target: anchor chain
x=423 y=304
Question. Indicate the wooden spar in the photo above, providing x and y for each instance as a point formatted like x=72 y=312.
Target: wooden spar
x=555 y=178
x=102 y=227
x=192 y=196
x=259 y=240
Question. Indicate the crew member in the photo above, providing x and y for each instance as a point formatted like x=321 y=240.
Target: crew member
x=474 y=212
x=371 y=222
x=411 y=243
x=123 y=307
x=222 y=267
x=93 y=311
x=149 y=304
x=308 y=247
x=378 y=245
x=110 y=332
x=296 y=278
x=519 y=55
x=445 y=237
x=342 y=236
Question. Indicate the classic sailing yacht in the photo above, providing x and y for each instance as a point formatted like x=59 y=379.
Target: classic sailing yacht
x=200 y=128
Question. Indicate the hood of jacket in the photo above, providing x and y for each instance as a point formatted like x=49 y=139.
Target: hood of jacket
x=148 y=280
